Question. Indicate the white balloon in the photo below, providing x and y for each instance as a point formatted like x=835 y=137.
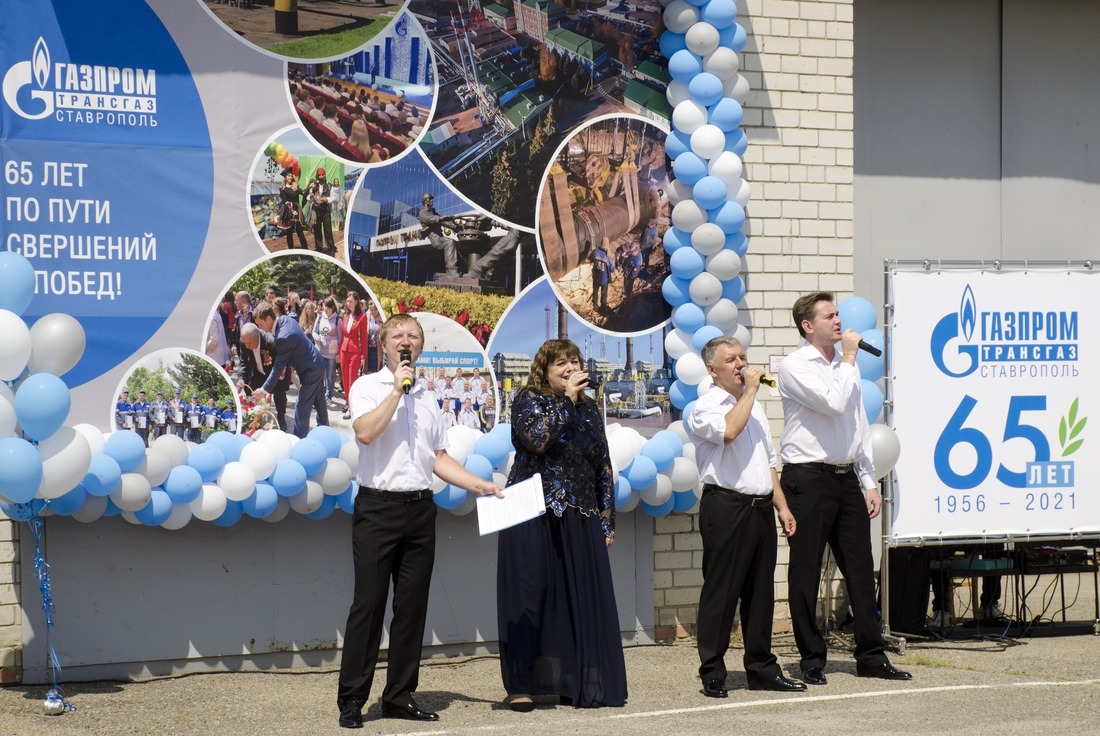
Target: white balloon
x=15 y=348
x=279 y=442
x=349 y=453
x=741 y=193
x=93 y=509
x=687 y=117
x=621 y=450
x=736 y=87
x=657 y=492
x=678 y=191
x=209 y=504
x=705 y=384
x=683 y=474
x=677 y=92
x=630 y=505
x=57 y=344
x=679 y=16
x=724 y=264
x=154 y=467
x=636 y=438
x=238 y=481
x=722 y=63
x=885 y=449
x=690 y=369
x=722 y=314
x=179 y=517
x=466 y=506
x=334 y=476
x=8 y=419
x=174 y=447
x=702 y=38
x=705 y=289
x=65 y=460
x=689 y=452
x=708 y=141
x=92 y=434
x=282 y=508
x=743 y=335
x=728 y=167
x=260 y=458
x=677 y=343
x=687 y=215
x=709 y=240
x=133 y=492
x=679 y=430
x=309 y=499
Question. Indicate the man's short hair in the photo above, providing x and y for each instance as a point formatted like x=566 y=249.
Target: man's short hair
x=805 y=305
x=394 y=321
x=263 y=312
x=711 y=348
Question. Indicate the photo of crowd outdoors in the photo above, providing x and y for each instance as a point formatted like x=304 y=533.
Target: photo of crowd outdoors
x=602 y=211
x=629 y=376
x=512 y=85
x=298 y=196
x=175 y=392
x=420 y=247
x=299 y=331
x=371 y=106
x=316 y=29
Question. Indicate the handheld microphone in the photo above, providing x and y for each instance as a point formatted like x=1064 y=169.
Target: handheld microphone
x=765 y=379
x=406 y=357
x=868 y=347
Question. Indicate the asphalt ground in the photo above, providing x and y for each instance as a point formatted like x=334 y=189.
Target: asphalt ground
x=1041 y=685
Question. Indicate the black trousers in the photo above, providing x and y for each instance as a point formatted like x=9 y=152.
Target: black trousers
x=830 y=509
x=739 y=552
x=391 y=541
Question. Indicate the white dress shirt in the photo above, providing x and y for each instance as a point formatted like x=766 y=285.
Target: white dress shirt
x=403 y=456
x=743 y=464
x=823 y=413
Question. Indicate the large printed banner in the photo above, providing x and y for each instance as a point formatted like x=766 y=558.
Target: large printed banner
x=993 y=388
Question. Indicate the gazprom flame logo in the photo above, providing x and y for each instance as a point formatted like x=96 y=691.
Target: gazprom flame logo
x=951 y=347
x=34 y=74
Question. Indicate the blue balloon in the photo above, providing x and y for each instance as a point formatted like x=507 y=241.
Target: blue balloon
x=727 y=114
x=623 y=491
x=289 y=477
x=157 y=511
x=20 y=470
x=641 y=472
x=328 y=505
x=103 y=476
x=703 y=335
x=734 y=289
x=686 y=263
x=688 y=317
x=243 y=440
x=262 y=501
x=737 y=141
x=208 y=460
x=683 y=501
x=738 y=243
x=660 y=452
x=126 y=448
x=450 y=497
x=673 y=439
x=730 y=216
x=674 y=239
x=42 y=404
x=69 y=503
x=870 y=367
x=16 y=282
x=872 y=399
x=681 y=394
x=329 y=437
x=733 y=37
x=111 y=510
x=479 y=466
x=23 y=511
x=234 y=510
x=684 y=65
x=228 y=443
x=705 y=88
x=660 y=510
x=677 y=143
x=310 y=453
x=669 y=43
x=856 y=313
x=183 y=484
x=493 y=447
x=689 y=168
x=687 y=409
x=675 y=291
x=346 y=500
x=719 y=13
x=709 y=192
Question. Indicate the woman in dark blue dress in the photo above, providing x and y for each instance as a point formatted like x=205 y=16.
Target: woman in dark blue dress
x=559 y=626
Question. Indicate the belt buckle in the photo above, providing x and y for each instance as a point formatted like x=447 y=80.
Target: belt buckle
x=842 y=469
x=758 y=501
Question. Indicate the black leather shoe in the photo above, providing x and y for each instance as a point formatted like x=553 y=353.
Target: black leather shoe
x=776 y=683
x=408 y=710
x=882 y=670
x=814 y=676
x=715 y=688
x=351 y=713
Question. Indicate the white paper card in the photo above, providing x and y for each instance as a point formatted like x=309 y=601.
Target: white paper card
x=522 y=502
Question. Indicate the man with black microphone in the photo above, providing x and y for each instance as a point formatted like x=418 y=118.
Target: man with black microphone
x=401 y=442
x=829 y=481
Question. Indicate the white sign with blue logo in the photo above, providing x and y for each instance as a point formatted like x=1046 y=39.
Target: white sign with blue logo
x=991 y=377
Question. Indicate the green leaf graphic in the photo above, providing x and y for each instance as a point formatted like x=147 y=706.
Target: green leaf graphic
x=1072 y=448
x=1078 y=427
x=1062 y=432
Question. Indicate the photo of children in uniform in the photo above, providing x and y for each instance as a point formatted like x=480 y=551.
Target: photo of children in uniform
x=178 y=392
x=455 y=369
x=602 y=210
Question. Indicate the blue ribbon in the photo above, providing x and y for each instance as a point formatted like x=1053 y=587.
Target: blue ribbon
x=55 y=698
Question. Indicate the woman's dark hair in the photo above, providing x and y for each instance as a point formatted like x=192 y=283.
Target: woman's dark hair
x=550 y=351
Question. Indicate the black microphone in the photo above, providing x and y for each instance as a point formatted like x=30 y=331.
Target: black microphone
x=406 y=357
x=868 y=347
x=765 y=379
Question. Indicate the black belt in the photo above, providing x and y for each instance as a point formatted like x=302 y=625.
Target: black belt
x=750 y=499
x=842 y=469
x=397 y=496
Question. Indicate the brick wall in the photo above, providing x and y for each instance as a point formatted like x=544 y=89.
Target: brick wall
x=798 y=118
x=11 y=628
